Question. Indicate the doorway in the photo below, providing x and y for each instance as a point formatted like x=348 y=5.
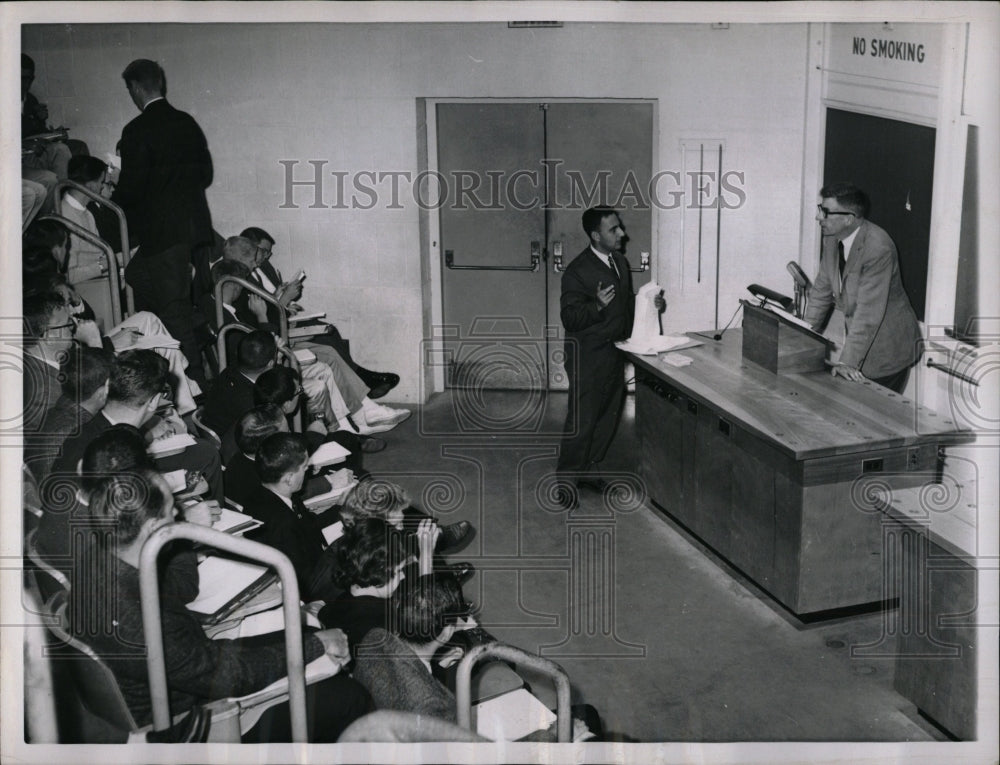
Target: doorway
x=514 y=179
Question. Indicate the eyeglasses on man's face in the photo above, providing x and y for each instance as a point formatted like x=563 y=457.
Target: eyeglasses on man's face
x=57 y=327
x=825 y=213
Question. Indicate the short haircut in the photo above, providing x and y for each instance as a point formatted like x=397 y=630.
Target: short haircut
x=253 y=427
x=849 y=196
x=256 y=350
x=373 y=498
x=137 y=376
x=280 y=454
x=44 y=235
x=276 y=386
x=256 y=235
x=37 y=262
x=241 y=249
x=428 y=605
x=148 y=75
x=83 y=168
x=368 y=554
x=38 y=310
x=117 y=450
x=592 y=218
x=27 y=62
x=129 y=499
x=229 y=268
x=85 y=371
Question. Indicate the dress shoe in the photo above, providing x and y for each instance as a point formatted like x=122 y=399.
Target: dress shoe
x=379 y=419
x=455 y=536
x=593 y=484
x=191 y=729
x=379 y=383
x=370 y=444
x=461 y=571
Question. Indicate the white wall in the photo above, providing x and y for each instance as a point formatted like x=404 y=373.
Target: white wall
x=346 y=94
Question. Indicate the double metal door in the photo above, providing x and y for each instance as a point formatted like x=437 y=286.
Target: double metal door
x=514 y=180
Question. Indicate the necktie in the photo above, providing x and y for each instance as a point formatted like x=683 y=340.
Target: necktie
x=611 y=262
x=841 y=260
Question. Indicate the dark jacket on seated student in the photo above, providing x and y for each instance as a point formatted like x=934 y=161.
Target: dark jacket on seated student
x=282 y=462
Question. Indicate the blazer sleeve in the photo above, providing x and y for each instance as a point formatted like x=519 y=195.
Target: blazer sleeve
x=137 y=162
x=870 y=305
x=820 y=297
x=578 y=306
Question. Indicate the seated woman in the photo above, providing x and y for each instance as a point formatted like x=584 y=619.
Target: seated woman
x=105 y=613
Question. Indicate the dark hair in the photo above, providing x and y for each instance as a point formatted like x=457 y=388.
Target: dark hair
x=129 y=499
x=367 y=554
x=27 y=62
x=84 y=371
x=38 y=309
x=83 y=168
x=592 y=218
x=253 y=427
x=229 y=268
x=276 y=386
x=148 y=75
x=256 y=235
x=849 y=196
x=137 y=376
x=428 y=605
x=44 y=234
x=280 y=454
x=256 y=350
x=117 y=450
x=37 y=263
x=373 y=498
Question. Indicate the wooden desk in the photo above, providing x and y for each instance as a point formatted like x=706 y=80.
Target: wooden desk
x=762 y=467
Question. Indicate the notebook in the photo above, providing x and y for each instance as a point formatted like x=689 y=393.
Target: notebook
x=307 y=316
x=330 y=453
x=233 y=522
x=224 y=584
x=512 y=716
x=166 y=447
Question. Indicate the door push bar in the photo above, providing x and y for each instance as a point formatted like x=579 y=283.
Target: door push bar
x=536 y=256
x=557 y=260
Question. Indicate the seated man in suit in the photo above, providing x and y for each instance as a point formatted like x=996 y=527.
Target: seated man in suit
x=358 y=412
x=137 y=392
x=282 y=464
x=49 y=334
x=269 y=278
x=85 y=376
x=107 y=617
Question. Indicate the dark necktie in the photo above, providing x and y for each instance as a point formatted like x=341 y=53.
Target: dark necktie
x=611 y=262
x=841 y=260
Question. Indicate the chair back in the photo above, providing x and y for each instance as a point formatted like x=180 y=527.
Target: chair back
x=96 y=685
x=198 y=418
x=49 y=579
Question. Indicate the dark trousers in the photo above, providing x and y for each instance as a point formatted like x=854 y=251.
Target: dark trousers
x=161 y=283
x=895 y=382
x=596 y=395
x=331 y=705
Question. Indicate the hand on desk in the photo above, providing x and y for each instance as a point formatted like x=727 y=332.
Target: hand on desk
x=204 y=513
x=335 y=644
x=849 y=373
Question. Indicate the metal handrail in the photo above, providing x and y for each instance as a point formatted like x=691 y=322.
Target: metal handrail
x=153 y=628
x=463 y=683
x=557 y=263
x=122 y=227
x=114 y=283
x=256 y=290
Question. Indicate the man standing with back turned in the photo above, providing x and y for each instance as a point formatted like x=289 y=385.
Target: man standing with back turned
x=859 y=274
x=596 y=306
x=166 y=168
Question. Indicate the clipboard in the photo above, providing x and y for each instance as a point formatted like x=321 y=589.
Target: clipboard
x=225 y=584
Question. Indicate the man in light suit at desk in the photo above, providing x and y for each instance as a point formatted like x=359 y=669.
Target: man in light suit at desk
x=859 y=275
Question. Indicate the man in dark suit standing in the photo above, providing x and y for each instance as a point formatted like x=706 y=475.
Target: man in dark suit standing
x=859 y=274
x=596 y=306
x=166 y=168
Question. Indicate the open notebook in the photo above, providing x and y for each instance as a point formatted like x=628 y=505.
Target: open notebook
x=512 y=716
x=224 y=585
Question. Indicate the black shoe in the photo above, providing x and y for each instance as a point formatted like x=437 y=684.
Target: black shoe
x=455 y=536
x=566 y=497
x=370 y=444
x=593 y=484
x=461 y=571
x=192 y=729
x=379 y=383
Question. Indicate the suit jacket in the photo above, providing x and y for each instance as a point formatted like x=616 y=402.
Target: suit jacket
x=229 y=398
x=596 y=329
x=198 y=668
x=166 y=168
x=883 y=336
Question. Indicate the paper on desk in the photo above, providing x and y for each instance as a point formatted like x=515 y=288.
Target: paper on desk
x=164 y=447
x=176 y=480
x=652 y=345
x=154 y=341
x=309 y=316
x=512 y=716
x=329 y=453
x=333 y=532
x=304 y=356
x=330 y=498
x=235 y=522
x=220 y=580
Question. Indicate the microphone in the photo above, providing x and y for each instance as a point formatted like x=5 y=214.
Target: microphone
x=798 y=275
x=765 y=295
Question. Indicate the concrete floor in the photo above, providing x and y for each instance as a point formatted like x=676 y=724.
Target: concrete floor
x=667 y=641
